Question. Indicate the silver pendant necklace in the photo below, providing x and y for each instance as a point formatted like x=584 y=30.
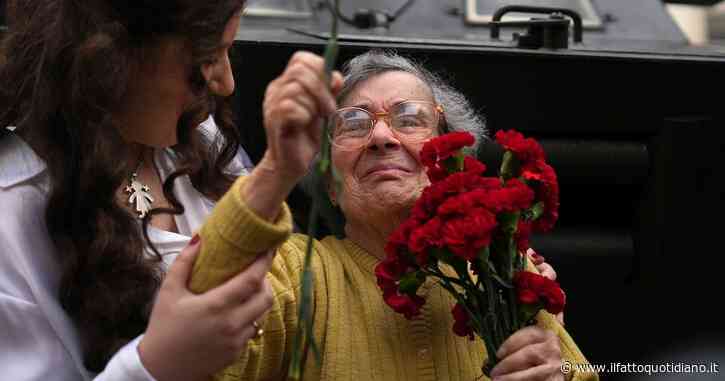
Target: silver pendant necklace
x=139 y=194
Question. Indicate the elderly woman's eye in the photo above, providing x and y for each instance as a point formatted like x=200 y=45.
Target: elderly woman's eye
x=357 y=126
x=408 y=121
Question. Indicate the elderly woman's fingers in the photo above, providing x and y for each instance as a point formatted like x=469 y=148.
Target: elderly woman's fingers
x=315 y=62
x=316 y=88
x=336 y=83
x=533 y=352
x=539 y=262
x=295 y=91
x=543 y=372
x=522 y=338
x=536 y=259
x=546 y=270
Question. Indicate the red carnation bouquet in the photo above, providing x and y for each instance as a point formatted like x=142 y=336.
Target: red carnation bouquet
x=471 y=232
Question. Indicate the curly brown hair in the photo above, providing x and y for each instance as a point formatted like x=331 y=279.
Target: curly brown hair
x=64 y=67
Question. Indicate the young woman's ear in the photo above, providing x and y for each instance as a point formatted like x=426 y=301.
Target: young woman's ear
x=219 y=76
x=207 y=71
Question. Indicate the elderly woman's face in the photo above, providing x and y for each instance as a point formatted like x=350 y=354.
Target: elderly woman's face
x=386 y=172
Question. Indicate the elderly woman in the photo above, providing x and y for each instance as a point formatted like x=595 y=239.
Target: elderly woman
x=388 y=108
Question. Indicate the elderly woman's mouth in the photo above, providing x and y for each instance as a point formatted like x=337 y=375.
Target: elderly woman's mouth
x=386 y=169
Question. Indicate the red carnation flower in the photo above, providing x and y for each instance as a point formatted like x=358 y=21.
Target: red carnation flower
x=465 y=236
x=525 y=149
x=425 y=237
x=389 y=271
x=514 y=196
x=533 y=289
x=436 y=173
x=544 y=181
x=523 y=232
x=474 y=166
x=447 y=145
x=437 y=193
x=397 y=243
x=407 y=305
x=461 y=325
x=438 y=149
x=457 y=205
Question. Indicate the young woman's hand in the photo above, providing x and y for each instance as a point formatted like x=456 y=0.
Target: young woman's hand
x=189 y=336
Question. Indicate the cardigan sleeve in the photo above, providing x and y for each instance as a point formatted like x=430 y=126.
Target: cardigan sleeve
x=232 y=237
x=569 y=350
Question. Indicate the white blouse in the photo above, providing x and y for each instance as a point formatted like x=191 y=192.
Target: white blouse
x=38 y=340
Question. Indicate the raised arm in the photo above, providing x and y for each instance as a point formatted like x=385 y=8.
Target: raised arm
x=252 y=218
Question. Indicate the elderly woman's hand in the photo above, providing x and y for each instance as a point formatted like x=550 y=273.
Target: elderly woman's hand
x=546 y=270
x=294 y=105
x=531 y=354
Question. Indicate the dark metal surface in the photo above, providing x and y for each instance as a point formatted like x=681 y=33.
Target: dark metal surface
x=482 y=11
x=694 y=2
x=551 y=32
x=3 y=12
x=642 y=30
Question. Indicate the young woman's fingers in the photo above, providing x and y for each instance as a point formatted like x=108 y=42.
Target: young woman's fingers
x=180 y=270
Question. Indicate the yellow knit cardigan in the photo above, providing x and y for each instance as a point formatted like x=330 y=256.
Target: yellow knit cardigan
x=360 y=337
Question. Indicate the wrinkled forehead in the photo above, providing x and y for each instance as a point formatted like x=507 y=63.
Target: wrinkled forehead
x=380 y=91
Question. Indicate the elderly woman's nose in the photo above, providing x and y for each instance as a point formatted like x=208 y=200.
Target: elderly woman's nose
x=383 y=136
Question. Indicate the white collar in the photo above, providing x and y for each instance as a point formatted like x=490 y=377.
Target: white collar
x=18 y=162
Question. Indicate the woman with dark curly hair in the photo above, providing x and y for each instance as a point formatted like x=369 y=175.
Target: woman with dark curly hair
x=121 y=143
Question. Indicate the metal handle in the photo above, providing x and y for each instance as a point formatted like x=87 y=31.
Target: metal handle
x=496 y=22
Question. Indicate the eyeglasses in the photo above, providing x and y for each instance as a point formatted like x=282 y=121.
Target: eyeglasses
x=352 y=127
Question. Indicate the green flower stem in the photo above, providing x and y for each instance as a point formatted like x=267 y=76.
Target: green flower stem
x=513 y=302
x=437 y=273
x=304 y=337
x=508 y=165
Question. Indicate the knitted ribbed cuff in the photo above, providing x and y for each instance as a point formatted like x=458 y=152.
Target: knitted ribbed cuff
x=240 y=226
x=232 y=237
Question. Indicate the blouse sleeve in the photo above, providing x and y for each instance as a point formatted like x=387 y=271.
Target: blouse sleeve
x=38 y=339
x=126 y=365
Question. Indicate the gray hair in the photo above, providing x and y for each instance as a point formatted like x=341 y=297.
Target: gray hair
x=458 y=114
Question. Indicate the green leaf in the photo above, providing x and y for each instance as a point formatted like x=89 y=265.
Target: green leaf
x=528 y=312
x=509 y=222
x=482 y=262
x=410 y=282
x=509 y=166
x=536 y=211
x=454 y=163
